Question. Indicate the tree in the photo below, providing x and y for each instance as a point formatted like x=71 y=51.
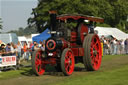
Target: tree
x=25 y=31
x=114 y=12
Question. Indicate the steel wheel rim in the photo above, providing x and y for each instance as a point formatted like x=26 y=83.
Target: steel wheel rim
x=96 y=53
x=69 y=62
x=40 y=67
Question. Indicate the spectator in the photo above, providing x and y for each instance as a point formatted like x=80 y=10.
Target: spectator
x=34 y=44
x=2 y=50
x=9 y=49
x=25 y=48
x=109 y=47
x=31 y=45
x=115 y=45
x=40 y=44
x=105 y=46
x=19 y=52
x=2 y=43
x=121 y=47
x=112 y=46
x=36 y=47
x=126 y=46
x=43 y=47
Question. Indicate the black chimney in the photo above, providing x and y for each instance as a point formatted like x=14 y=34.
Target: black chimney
x=52 y=20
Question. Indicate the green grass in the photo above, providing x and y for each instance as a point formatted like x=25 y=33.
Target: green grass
x=116 y=74
x=109 y=57
x=13 y=73
x=112 y=77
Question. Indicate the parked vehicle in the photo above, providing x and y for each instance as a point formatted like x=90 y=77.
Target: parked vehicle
x=9 y=37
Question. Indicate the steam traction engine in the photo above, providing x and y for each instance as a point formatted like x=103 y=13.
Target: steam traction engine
x=68 y=45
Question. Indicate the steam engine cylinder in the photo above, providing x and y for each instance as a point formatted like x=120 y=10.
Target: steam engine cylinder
x=53 y=44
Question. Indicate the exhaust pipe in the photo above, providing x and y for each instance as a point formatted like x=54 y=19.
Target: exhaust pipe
x=52 y=21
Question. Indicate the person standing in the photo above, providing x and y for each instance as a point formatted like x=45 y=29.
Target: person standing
x=112 y=46
x=2 y=50
x=19 y=52
x=105 y=46
x=25 y=48
x=126 y=46
x=115 y=46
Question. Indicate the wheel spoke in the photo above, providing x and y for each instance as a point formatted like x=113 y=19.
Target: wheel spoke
x=66 y=61
x=96 y=45
x=38 y=61
x=38 y=68
x=96 y=60
x=71 y=66
x=66 y=57
x=67 y=67
x=92 y=61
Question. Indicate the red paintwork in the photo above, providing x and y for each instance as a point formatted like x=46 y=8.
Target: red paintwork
x=83 y=29
x=65 y=43
x=78 y=51
x=81 y=51
x=39 y=65
x=96 y=60
x=69 y=62
x=75 y=51
x=77 y=17
x=73 y=39
x=51 y=61
x=73 y=36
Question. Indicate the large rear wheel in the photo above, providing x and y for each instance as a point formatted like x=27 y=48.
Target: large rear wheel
x=92 y=52
x=37 y=65
x=67 y=62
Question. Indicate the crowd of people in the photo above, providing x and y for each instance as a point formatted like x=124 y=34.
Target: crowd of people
x=22 y=52
x=110 y=46
x=113 y=46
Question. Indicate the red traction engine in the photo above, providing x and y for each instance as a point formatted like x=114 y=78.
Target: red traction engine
x=68 y=46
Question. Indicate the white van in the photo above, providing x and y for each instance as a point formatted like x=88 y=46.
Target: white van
x=9 y=37
x=22 y=40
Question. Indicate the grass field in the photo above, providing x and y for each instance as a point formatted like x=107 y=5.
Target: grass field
x=114 y=71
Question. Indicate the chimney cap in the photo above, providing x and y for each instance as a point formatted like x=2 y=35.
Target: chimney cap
x=52 y=12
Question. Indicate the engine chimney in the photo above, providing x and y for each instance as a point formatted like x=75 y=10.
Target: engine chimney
x=52 y=20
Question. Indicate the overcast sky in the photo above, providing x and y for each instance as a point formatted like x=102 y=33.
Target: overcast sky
x=14 y=13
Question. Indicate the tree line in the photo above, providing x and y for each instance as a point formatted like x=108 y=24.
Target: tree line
x=114 y=12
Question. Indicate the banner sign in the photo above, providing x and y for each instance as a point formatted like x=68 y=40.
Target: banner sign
x=7 y=61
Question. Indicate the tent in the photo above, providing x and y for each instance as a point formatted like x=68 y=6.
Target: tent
x=107 y=31
x=43 y=36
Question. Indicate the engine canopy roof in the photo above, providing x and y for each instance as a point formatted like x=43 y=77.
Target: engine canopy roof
x=65 y=17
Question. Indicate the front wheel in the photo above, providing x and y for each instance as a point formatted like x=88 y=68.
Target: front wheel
x=67 y=62
x=37 y=63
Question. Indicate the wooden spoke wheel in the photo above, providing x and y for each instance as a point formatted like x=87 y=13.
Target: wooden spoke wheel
x=67 y=62
x=92 y=52
x=37 y=65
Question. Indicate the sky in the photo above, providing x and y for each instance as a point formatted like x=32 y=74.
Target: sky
x=14 y=13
